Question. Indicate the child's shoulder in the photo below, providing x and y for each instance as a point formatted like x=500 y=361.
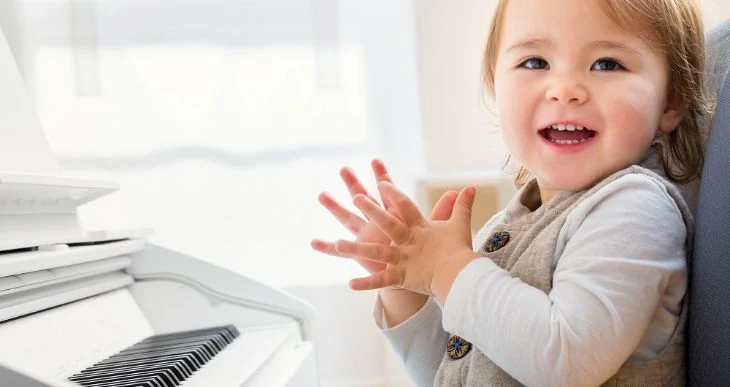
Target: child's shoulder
x=636 y=184
x=634 y=192
x=633 y=179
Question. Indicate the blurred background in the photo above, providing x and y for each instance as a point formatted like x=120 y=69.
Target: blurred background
x=222 y=120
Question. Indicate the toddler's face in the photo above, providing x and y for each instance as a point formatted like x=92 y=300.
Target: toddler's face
x=577 y=98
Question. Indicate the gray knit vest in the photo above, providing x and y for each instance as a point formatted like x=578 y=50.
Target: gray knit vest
x=529 y=256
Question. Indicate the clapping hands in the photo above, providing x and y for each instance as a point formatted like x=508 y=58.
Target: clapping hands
x=396 y=244
x=364 y=231
x=419 y=248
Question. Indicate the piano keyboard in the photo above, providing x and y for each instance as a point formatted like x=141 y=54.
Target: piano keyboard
x=164 y=360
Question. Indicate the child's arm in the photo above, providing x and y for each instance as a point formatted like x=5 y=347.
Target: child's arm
x=419 y=341
x=398 y=305
x=394 y=306
x=621 y=276
x=617 y=292
x=416 y=334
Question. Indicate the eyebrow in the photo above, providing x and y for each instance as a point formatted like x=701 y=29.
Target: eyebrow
x=528 y=43
x=611 y=45
x=595 y=45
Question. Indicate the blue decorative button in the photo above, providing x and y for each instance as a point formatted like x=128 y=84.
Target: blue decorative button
x=497 y=241
x=457 y=347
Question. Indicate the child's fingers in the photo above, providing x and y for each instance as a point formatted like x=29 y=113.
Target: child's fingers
x=380 y=171
x=381 y=174
x=386 y=278
x=464 y=204
x=369 y=251
x=325 y=247
x=444 y=207
x=353 y=184
x=351 y=221
x=387 y=222
x=406 y=208
x=329 y=249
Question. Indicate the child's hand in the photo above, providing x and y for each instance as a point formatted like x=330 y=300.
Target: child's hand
x=420 y=248
x=364 y=231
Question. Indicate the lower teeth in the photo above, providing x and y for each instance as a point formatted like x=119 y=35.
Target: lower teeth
x=568 y=142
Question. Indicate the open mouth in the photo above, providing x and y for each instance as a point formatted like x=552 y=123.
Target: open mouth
x=567 y=134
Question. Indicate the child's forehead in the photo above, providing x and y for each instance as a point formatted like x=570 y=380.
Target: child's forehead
x=567 y=22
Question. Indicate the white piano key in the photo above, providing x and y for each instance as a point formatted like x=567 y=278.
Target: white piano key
x=240 y=360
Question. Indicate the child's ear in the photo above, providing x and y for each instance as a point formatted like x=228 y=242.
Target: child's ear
x=673 y=114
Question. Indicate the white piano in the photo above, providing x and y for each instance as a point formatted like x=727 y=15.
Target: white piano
x=107 y=308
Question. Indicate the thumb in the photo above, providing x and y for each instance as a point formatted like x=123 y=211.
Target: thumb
x=442 y=209
x=464 y=204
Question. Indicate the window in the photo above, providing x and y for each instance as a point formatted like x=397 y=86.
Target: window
x=223 y=120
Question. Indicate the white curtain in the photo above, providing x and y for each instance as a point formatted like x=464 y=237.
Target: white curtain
x=222 y=120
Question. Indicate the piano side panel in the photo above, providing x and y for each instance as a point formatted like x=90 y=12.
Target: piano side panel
x=177 y=292
x=307 y=375
x=220 y=285
x=171 y=306
x=293 y=366
x=59 y=342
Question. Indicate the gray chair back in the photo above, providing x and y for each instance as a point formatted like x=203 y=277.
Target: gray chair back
x=708 y=331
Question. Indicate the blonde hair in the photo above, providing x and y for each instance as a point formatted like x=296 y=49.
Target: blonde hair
x=676 y=26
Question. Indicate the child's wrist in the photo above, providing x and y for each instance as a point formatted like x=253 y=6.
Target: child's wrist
x=445 y=275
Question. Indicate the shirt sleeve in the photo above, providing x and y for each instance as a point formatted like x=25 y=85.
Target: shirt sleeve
x=625 y=254
x=420 y=341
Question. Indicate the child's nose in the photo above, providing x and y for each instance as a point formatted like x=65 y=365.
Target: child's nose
x=566 y=89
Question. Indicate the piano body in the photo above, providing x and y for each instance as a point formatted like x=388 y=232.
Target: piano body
x=107 y=308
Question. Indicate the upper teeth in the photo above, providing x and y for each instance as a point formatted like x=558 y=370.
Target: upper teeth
x=567 y=127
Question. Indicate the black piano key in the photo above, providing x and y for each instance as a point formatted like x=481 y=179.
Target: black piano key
x=180 y=363
x=185 y=361
x=222 y=337
x=213 y=340
x=169 y=367
x=218 y=339
x=165 y=374
x=208 y=348
x=132 y=382
x=164 y=360
x=148 y=383
x=201 y=353
x=229 y=332
x=215 y=343
x=153 y=381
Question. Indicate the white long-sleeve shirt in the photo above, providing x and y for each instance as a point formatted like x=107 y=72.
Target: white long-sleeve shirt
x=617 y=294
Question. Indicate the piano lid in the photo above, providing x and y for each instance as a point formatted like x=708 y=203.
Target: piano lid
x=24 y=148
x=38 y=205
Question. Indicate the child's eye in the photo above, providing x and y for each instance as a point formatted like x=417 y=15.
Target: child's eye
x=535 y=64
x=606 y=65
